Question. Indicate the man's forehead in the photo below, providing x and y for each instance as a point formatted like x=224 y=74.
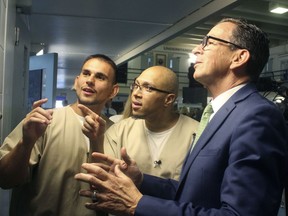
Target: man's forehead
x=96 y=63
x=146 y=76
x=224 y=29
x=97 y=68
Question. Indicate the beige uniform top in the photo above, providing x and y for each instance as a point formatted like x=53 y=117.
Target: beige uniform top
x=131 y=134
x=55 y=159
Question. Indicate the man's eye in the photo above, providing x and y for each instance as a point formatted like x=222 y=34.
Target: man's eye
x=85 y=73
x=147 y=88
x=209 y=43
x=100 y=77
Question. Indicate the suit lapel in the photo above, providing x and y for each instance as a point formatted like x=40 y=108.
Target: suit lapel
x=216 y=122
x=208 y=132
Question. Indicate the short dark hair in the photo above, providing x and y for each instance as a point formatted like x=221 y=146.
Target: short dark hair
x=105 y=59
x=255 y=41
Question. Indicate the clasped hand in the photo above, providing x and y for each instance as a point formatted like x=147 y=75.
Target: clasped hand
x=114 y=181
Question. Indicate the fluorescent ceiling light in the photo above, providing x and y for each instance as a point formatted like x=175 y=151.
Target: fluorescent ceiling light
x=278 y=8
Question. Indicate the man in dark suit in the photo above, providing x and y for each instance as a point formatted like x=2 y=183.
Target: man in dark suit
x=237 y=166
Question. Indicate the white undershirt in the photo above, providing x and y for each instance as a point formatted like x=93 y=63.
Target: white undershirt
x=156 y=142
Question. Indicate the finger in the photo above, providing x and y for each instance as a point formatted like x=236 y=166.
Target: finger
x=95 y=120
x=94 y=182
x=85 y=193
x=118 y=172
x=103 y=157
x=89 y=124
x=104 y=166
x=85 y=110
x=40 y=113
x=92 y=194
x=109 y=160
x=87 y=178
x=89 y=120
x=96 y=171
x=36 y=120
x=125 y=156
x=39 y=103
x=93 y=206
x=101 y=121
x=38 y=117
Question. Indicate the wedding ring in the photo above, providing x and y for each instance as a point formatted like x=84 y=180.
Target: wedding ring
x=94 y=196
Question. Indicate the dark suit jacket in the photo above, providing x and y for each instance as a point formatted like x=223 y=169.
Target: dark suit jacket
x=236 y=168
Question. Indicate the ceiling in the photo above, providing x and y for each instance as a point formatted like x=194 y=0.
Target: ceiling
x=124 y=29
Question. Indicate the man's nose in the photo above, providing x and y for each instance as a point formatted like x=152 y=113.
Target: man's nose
x=137 y=91
x=91 y=78
x=197 y=49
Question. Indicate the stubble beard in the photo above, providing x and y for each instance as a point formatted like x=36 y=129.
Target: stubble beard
x=87 y=103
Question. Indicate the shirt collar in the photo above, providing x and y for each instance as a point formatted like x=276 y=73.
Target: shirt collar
x=218 y=102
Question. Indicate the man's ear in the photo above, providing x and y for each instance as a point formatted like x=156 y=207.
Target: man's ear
x=115 y=91
x=75 y=83
x=240 y=57
x=170 y=99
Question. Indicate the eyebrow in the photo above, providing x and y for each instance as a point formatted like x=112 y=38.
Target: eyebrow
x=144 y=83
x=95 y=73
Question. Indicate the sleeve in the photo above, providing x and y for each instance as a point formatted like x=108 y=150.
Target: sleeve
x=166 y=188
x=11 y=140
x=158 y=198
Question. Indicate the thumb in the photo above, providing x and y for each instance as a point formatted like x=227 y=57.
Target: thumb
x=125 y=156
x=118 y=172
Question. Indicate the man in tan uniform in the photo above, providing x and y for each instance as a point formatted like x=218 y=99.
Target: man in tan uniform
x=43 y=153
x=155 y=135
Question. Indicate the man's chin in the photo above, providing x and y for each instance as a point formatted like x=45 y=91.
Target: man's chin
x=88 y=103
x=138 y=116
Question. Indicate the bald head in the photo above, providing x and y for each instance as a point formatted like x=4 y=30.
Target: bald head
x=162 y=78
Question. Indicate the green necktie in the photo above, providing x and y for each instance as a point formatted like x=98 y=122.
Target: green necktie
x=203 y=122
